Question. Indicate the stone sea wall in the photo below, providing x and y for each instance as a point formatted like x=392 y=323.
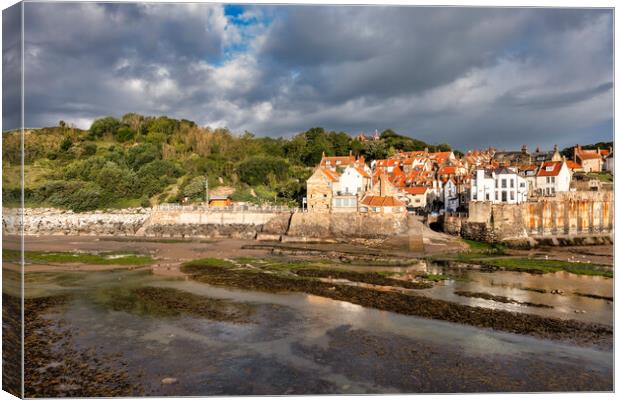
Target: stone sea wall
x=347 y=225
x=204 y=224
x=567 y=218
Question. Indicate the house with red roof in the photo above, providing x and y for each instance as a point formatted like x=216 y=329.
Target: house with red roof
x=590 y=160
x=382 y=198
x=340 y=162
x=320 y=189
x=418 y=196
x=553 y=177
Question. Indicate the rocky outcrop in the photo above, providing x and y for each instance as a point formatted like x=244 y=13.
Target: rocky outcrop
x=277 y=225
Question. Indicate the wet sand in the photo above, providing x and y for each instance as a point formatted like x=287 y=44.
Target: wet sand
x=289 y=343
x=341 y=339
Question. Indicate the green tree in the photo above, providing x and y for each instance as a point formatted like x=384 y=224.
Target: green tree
x=258 y=169
x=124 y=134
x=104 y=126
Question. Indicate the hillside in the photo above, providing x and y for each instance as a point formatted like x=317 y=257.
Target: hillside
x=140 y=160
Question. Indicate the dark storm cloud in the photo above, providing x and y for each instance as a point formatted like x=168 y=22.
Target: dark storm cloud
x=465 y=76
x=11 y=67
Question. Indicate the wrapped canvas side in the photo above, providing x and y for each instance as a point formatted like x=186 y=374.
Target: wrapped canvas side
x=12 y=201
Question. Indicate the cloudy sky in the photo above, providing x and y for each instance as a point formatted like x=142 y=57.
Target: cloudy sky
x=471 y=77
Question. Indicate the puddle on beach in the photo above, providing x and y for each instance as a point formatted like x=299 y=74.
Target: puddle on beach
x=302 y=344
x=516 y=286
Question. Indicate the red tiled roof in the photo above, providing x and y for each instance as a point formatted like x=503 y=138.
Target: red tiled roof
x=332 y=176
x=586 y=154
x=447 y=170
x=573 y=165
x=386 y=163
x=382 y=201
x=344 y=160
x=416 y=190
x=362 y=172
x=554 y=166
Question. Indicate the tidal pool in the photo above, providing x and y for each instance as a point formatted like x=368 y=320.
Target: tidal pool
x=295 y=343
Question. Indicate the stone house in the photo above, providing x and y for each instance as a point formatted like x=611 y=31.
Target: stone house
x=590 y=160
x=320 y=189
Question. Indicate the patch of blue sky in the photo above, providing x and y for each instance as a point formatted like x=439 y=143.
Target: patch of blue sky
x=245 y=18
x=236 y=15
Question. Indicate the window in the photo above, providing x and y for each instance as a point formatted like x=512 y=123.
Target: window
x=503 y=183
x=512 y=183
x=553 y=179
x=547 y=179
x=496 y=196
x=504 y=196
x=488 y=197
x=512 y=195
x=475 y=197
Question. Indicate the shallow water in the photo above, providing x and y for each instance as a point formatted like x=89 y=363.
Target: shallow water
x=512 y=284
x=297 y=343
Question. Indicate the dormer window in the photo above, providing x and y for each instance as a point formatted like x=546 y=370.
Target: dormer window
x=549 y=169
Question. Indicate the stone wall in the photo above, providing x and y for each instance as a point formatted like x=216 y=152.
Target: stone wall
x=347 y=225
x=563 y=217
x=49 y=221
x=205 y=224
x=144 y=222
x=452 y=223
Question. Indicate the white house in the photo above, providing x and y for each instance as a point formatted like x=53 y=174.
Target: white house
x=553 y=177
x=352 y=184
x=450 y=196
x=501 y=185
x=354 y=180
x=417 y=196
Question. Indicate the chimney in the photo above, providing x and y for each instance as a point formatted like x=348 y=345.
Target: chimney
x=575 y=153
x=426 y=151
x=350 y=153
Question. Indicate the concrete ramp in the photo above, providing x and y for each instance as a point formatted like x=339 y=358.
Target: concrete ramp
x=415 y=233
